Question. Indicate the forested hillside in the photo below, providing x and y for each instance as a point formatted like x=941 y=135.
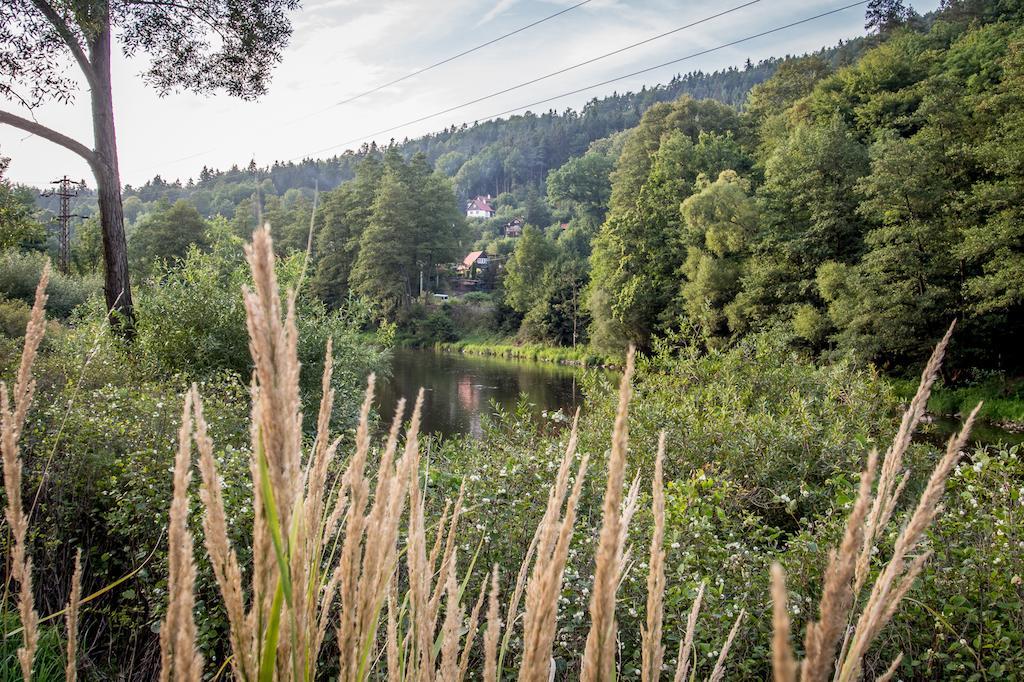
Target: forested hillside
x=485 y=157
x=860 y=209
x=856 y=199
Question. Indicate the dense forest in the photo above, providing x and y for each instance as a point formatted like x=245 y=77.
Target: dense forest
x=493 y=148
x=827 y=196
x=859 y=208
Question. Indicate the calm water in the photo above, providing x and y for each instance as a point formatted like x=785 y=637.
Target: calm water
x=983 y=433
x=459 y=389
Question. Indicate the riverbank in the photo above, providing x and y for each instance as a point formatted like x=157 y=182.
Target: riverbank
x=535 y=352
x=1003 y=401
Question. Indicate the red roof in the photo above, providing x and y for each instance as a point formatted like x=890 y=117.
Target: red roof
x=480 y=204
x=471 y=259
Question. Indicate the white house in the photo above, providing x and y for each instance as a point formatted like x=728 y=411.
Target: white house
x=480 y=207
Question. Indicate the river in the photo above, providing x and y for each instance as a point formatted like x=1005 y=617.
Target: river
x=460 y=389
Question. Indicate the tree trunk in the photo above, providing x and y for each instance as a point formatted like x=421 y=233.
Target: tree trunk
x=116 y=285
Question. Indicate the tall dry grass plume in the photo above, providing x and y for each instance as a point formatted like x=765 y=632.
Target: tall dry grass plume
x=179 y=659
x=850 y=566
x=653 y=650
x=13 y=411
x=71 y=620
x=686 y=645
x=599 y=654
x=552 y=550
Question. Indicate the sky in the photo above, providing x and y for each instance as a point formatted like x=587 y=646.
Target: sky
x=341 y=48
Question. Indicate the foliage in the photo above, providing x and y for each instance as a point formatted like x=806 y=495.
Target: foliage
x=525 y=270
x=582 y=186
x=808 y=216
x=887 y=199
x=13 y=318
x=17 y=222
x=19 y=274
x=101 y=473
x=34 y=51
x=634 y=264
x=383 y=236
x=719 y=221
x=167 y=232
x=191 y=321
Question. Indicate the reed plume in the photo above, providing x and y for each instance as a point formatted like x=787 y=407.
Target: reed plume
x=552 y=549
x=686 y=645
x=599 y=652
x=901 y=571
x=222 y=555
x=783 y=663
x=837 y=594
x=13 y=411
x=493 y=632
x=71 y=620
x=449 y=666
x=653 y=651
x=849 y=566
x=471 y=630
x=718 y=672
x=890 y=484
x=179 y=659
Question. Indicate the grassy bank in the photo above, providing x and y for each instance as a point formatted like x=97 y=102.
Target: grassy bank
x=1003 y=398
x=581 y=356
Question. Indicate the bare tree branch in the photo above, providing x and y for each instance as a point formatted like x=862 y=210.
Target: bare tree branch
x=49 y=134
x=69 y=38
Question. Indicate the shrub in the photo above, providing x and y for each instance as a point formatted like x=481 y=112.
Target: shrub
x=318 y=547
x=13 y=318
x=780 y=426
x=19 y=273
x=191 y=321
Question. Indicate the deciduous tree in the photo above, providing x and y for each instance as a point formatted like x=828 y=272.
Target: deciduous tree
x=200 y=45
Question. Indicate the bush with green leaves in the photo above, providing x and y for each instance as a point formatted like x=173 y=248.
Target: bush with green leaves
x=761 y=446
x=191 y=320
x=13 y=317
x=97 y=456
x=19 y=274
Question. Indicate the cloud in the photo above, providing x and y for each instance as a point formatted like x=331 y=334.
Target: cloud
x=343 y=47
x=499 y=8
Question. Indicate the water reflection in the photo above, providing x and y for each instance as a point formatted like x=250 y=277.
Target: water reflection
x=459 y=389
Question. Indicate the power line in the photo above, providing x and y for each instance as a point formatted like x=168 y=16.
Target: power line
x=559 y=72
x=407 y=76
x=461 y=54
x=594 y=85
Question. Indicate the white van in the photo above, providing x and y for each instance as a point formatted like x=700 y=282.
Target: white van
x=441 y=297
